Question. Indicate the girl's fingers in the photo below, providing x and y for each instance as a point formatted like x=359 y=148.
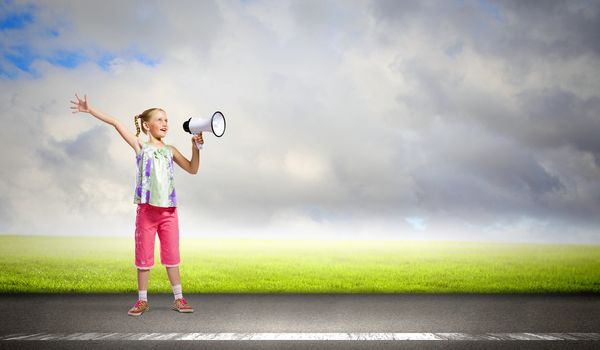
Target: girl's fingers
x=198 y=139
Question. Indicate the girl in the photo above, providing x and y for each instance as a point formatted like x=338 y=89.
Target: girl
x=155 y=197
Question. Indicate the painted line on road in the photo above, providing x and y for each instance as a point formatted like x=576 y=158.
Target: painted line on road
x=301 y=336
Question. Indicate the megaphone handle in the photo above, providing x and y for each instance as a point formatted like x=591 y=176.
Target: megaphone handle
x=199 y=145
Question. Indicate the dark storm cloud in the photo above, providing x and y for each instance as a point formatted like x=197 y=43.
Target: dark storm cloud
x=553 y=118
x=547 y=118
x=487 y=161
x=481 y=177
x=554 y=29
x=563 y=28
x=86 y=149
x=67 y=164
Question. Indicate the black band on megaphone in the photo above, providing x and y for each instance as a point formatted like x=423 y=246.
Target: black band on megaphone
x=224 y=124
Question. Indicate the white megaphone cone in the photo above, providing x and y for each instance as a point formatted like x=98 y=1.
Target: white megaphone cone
x=214 y=125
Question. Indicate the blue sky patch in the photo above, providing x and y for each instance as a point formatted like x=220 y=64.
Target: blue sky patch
x=105 y=60
x=416 y=222
x=17 y=57
x=491 y=9
x=67 y=59
x=15 y=20
x=148 y=61
x=21 y=57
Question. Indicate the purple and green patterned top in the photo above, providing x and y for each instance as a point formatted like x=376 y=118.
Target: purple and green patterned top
x=154 y=178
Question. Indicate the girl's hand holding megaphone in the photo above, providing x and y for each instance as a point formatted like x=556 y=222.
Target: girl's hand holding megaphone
x=197 y=140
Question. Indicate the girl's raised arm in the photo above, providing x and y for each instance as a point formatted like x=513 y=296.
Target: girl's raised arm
x=83 y=106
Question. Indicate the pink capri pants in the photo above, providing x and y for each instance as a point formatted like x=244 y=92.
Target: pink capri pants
x=150 y=220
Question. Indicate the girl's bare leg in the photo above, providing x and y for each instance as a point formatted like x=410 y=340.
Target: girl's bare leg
x=143 y=276
x=173 y=273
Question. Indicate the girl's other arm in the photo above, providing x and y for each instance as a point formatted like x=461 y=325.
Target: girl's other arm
x=83 y=106
x=187 y=165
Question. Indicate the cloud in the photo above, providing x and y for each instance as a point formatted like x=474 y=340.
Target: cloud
x=381 y=119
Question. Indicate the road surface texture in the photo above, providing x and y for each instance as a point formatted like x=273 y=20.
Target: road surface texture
x=303 y=321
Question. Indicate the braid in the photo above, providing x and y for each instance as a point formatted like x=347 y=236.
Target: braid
x=137 y=126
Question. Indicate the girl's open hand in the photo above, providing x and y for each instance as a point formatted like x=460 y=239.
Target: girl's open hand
x=80 y=105
x=197 y=138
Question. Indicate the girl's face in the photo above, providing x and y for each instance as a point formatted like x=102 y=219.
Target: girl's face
x=158 y=124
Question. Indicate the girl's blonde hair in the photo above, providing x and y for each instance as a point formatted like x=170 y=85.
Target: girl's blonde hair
x=145 y=116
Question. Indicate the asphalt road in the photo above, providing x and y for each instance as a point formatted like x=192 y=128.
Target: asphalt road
x=303 y=313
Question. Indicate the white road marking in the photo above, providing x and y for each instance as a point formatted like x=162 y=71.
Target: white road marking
x=301 y=336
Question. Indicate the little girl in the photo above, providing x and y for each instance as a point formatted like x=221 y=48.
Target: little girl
x=155 y=197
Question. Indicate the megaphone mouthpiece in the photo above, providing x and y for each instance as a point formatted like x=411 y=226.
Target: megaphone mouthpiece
x=186 y=126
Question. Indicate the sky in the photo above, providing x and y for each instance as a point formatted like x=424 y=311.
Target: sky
x=421 y=120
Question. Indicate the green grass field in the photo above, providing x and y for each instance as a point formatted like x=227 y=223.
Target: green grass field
x=36 y=264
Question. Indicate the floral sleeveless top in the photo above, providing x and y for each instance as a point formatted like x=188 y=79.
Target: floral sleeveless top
x=154 y=176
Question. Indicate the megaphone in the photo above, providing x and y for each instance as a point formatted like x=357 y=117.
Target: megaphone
x=214 y=125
